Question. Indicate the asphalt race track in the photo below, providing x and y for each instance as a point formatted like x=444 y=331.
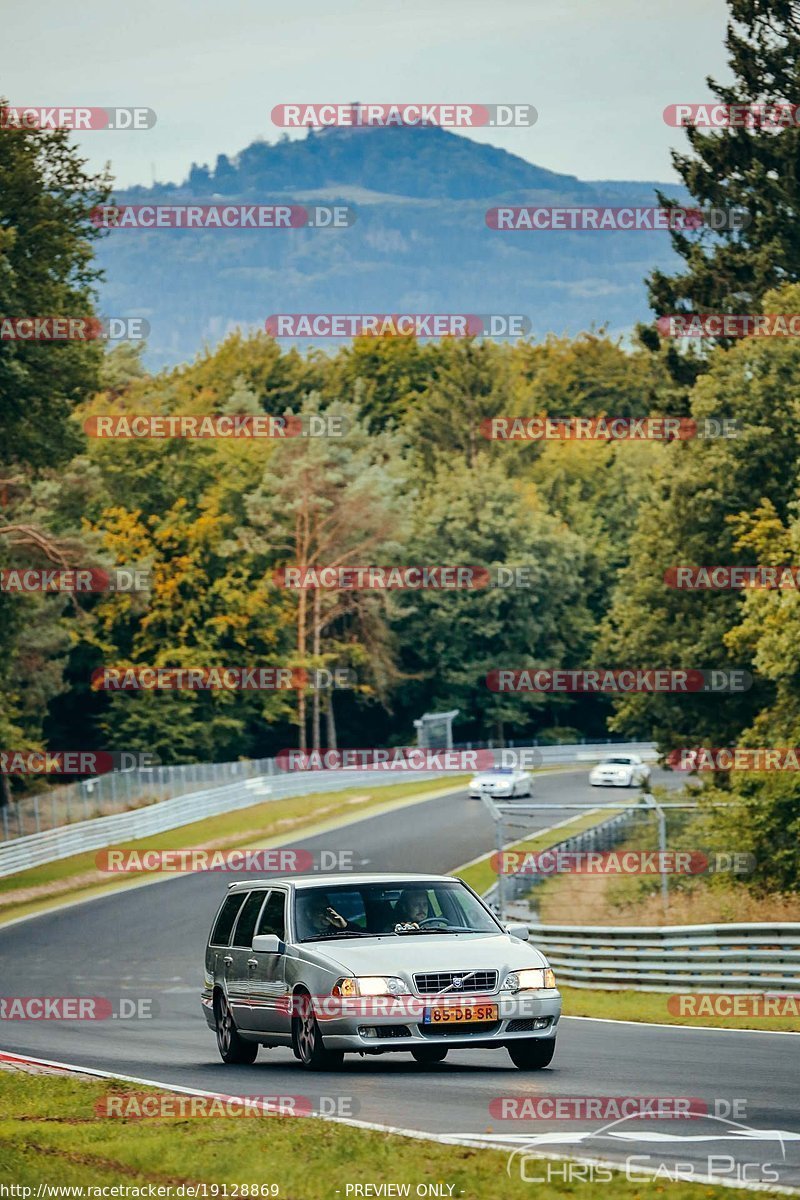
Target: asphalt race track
x=149 y=942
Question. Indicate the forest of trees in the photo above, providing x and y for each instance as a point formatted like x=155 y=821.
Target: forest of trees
x=414 y=481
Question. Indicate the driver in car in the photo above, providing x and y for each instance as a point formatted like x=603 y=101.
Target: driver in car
x=412 y=907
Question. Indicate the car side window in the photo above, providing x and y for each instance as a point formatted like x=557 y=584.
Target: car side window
x=273 y=916
x=223 y=925
x=246 y=925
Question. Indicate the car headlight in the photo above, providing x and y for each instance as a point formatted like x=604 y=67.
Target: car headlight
x=371 y=985
x=529 y=980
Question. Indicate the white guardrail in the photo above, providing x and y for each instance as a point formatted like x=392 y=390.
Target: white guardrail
x=32 y=850
x=37 y=848
x=763 y=957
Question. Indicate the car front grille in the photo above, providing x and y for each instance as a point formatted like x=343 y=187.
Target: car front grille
x=429 y=983
x=463 y=1032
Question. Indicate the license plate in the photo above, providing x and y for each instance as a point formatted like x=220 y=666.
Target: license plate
x=462 y=1014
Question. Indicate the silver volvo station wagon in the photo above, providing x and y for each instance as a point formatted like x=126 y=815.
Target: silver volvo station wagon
x=329 y=964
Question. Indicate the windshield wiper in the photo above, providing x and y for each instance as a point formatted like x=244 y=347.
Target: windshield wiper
x=404 y=932
x=339 y=933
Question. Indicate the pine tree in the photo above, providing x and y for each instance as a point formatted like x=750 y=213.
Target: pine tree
x=755 y=169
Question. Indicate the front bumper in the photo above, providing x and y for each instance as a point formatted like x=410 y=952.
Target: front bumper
x=397 y=1024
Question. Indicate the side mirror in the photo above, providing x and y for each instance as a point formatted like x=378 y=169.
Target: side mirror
x=517 y=931
x=267 y=943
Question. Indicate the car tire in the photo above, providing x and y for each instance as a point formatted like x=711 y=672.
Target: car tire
x=426 y=1056
x=531 y=1054
x=232 y=1047
x=307 y=1042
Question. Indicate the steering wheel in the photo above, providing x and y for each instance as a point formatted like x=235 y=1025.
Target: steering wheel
x=440 y=922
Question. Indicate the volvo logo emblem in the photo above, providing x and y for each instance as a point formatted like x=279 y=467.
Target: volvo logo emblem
x=457 y=981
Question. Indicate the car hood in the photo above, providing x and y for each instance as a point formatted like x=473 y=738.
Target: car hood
x=484 y=779
x=406 y=954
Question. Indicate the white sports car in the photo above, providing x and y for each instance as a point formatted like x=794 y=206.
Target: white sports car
x=623 y=770
x=505 y=782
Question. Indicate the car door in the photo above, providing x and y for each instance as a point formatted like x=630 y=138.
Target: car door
x=237 y=972
x=269 y=993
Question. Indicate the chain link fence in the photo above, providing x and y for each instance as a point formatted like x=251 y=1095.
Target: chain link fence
x=121 y=791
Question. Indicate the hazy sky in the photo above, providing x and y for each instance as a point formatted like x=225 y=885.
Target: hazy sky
x=600 y=72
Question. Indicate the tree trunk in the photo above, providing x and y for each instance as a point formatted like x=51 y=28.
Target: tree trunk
x=330 y=720
x=301 y=651
x=316 y=641
x=5 y=792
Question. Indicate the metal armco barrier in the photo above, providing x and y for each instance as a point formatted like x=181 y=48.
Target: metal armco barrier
x=737 y=958
x=259 y=781
x=120 y=791
x=603 y=836
x=25 y=852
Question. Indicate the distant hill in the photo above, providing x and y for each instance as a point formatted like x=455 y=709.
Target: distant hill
x=419 y=244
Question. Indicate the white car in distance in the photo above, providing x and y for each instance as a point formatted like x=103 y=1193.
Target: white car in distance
x=501 y=783
x=621 y=770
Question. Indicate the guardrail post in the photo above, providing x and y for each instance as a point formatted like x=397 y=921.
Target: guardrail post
x=662 y=848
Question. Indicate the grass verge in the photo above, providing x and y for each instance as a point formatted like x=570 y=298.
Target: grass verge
x=627 y=1005
x=50 y=1134
x=652 y=1007
x=262 y=825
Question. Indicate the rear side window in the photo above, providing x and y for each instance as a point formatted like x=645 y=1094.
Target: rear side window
x=223 y=925
x=246 y=925
x=273 y=917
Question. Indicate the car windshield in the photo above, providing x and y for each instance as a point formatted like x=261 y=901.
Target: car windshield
x=388 y=909
x=625 y=762
x=500 y=771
